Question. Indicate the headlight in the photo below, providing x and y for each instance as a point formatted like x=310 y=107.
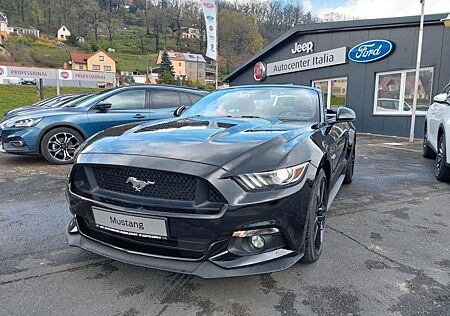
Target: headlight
x=24 y=123
x=272 y=179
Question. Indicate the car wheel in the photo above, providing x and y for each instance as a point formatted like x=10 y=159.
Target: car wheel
x=442 y=170
x=427 y=152
x=315 y=225
x=58 y=145
x=350 y=167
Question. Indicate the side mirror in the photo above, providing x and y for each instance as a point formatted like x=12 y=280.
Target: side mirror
x=179 y=111
x=441 y=98
x=345 y=114
x=102 y=106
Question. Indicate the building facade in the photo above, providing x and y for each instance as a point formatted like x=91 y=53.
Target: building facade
x=63 y=33
x=99 y=61
x=192 y=66
x=3 y=26
x=367 y=65
x=5 y=30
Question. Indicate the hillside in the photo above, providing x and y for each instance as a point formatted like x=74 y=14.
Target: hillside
x=137 y=29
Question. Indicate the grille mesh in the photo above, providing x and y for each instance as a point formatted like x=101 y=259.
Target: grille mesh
x=168 y=185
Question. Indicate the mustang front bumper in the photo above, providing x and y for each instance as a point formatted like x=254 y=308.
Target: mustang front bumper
x=203 y=244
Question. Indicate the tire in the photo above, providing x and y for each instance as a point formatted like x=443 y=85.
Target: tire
x=442 y=171
x=427 y=151
x=350 y=167
x=59 y=144
x=315 y=221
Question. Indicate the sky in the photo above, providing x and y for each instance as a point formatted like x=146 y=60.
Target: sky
x=375 y=8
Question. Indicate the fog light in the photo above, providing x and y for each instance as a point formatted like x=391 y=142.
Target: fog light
x=17 y=143
x=258 y=242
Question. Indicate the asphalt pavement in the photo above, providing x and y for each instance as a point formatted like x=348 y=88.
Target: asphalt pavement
x=386 y=252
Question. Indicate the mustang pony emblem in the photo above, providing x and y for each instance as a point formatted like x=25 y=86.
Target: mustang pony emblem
x=138 y=185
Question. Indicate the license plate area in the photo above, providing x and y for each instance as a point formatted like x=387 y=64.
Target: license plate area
x=131 y=225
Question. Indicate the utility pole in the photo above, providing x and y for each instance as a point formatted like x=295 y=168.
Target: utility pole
x=416 y=81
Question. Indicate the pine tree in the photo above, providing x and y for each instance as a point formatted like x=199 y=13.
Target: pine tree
x=166 y=73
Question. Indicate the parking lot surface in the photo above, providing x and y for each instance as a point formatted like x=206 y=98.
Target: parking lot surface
x=386 y=252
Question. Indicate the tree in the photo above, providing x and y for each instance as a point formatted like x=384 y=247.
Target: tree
x=72 y=40
x=166 y=73
x=94 y=15
x=239 y=38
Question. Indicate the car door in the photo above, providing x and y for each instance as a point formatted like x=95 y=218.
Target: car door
x=434 y=116
x=126 y=107
x=163 y=103
x=336 y=136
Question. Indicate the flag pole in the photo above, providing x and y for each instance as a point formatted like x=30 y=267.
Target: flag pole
x=217 y=44
x=416 y=81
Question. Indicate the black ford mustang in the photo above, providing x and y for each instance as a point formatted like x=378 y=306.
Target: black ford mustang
x=237 y=184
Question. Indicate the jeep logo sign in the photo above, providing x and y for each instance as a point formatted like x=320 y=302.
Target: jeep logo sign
x=303 y=48
x=370 y=51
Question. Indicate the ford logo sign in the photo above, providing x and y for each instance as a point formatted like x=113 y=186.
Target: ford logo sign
x=370 y=51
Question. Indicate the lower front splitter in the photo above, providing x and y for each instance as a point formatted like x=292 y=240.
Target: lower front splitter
x=204 y=269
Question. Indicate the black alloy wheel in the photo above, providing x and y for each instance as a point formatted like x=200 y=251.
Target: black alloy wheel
x=442 y=170
x=315 y=225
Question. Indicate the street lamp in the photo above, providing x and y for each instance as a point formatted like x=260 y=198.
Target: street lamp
x=446 y=21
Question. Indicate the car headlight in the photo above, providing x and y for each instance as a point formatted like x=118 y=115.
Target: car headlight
x=272 y=179
x=24 y=123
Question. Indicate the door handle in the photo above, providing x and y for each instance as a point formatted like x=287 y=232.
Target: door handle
x=139 y=116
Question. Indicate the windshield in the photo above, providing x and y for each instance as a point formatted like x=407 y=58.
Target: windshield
x=299 y=104
x=45 y=101
x=91 y=99
x=69 y=101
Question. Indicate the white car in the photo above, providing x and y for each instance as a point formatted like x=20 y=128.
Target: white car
x=436 y=140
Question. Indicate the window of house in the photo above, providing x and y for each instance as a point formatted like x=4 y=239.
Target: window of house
x=127 y=100
x=81 y=67
x=101 y=58
x=165 y=99
x=107 y=68
x=96 y=67
x=394 y=91
x=179 y=64
x=334 y=91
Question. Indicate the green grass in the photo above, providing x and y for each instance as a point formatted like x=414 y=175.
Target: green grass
x=12 y=96
x=134 y=62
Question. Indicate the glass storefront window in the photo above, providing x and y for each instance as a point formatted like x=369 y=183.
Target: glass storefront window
x=395 y=91
x=334 y=91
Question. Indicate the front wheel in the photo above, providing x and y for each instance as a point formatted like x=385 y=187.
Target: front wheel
x=58 y=146
x=442 y=171
x=315 y=222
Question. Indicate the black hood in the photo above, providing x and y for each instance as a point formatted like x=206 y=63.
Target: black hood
x=223 y=142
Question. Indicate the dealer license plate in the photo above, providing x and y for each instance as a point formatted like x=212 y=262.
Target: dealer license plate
x=147 y=227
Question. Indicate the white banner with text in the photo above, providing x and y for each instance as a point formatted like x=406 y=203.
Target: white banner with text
x=318 y=60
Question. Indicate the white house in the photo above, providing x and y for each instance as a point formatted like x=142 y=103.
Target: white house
x=3 y=26
x=63 y=33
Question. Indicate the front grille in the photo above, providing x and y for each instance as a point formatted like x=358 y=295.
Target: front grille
x=167 y=185
x=171 y=186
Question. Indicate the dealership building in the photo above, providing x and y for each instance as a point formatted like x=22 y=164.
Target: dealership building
x=367 y=65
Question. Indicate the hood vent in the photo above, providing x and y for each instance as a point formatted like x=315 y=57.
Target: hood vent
x=184 y=123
